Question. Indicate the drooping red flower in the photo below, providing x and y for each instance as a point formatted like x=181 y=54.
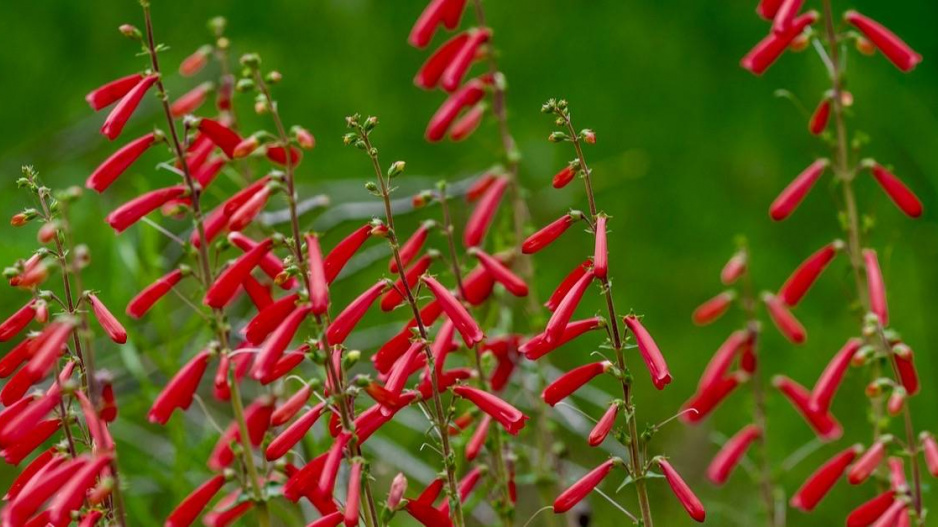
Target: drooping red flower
x=564 y=177
x=572 y=381
x=823 y=423
x=484 y=213
x=713 y=308
x=477 y=441
x=353 y=495
x=432 y=70
x=604 y=425
x=561 y=316
x=180 y=390
x=784 y=320
x=601 y=249
x=341 y=253
x=823 y=479
x=395 y=296
x=465 y=97
x=223 y=137
x=654 y=360
x=893 y=515
x=152 y=293
x=478 y=187
x=732 y=451
x=900 y=194
x=189 y=510
x=768 y=8
x=538 y=346
x=867 y=513
x=278 y=155
x=246 y=213
x=223 y=290
x=427 y=515
x=195 y=62
x=794 y=289
x=40 y=488
x=113 y=91
x=269 y=263
x=72 y=494
x=897 y=51
x=318 y=285
x=467 y=123
x=820 y=117
x=722 y=360
x=930 y=452
x=830 y=379
x=769 y=49
x=411 y=248
x=115 y=165
x=708 y=398
x=462 y=59
x=437 y=12
x=508 y=416
x=15 y=323
x=131 y=212
x=734 y=268
x=785 y=15
x=684 y=494
x=795 y=192
x=47 y=348
x=908 y=376
x=108 y=321
x=272 y=349
x=579 y=490
x=512 y=282
x=125 y=108
x=191 y=100
x=876 y=286
x=468 y=328
x=45 y=461
x=547 y=234
x=346 y=321
x=867 y=463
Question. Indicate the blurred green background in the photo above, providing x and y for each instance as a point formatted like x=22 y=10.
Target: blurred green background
x=691 y=150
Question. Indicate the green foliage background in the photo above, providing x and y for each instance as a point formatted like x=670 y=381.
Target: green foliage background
x=691 y=150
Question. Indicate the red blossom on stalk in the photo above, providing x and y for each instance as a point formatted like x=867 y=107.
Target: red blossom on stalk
x=794 y=289
x=460 y=62
x=604 y=425
x=121 y=113
x=908 y=376
x=70 y=496
x=830 y=379
x=512 y=282
x=732 y=451
x=876 y=286
x=654 y=360
x=547 y=234
x=465 y=97
x=538 y=346
x=428 y=77
x=769 y=49
x=345 y=322
x=191 y=100
x=484 y=212
x=223 y=137
x=601 y=249
x=438 y=12
x=468 y=328
x=721 y=362
x=564 y=177
x=900 y=194
x=930 y=452
x=15 y=323
x=195 y=62
x=867 y=463
x=467 y=123
x=353 y=496
x=395 y=296
x=223 y=290
x=341 y=253
x=823 y=422
x=411 y=248
x=713 y=308
x=190 y=508
x=823 y=479
x=507 y=415
x=820 y=117
x=108 y=322
x=152 y=293
x=787 y=324
x=265 y=364
x=867 y=513
x=897 y=51
x=180 y=390
x=561 y=317
x=795 y=192
x=115 y=165
x=113 y=91
x=572 y=381
x=684 y=494
x=708 y=398
x=734 y=268
x=579 y=490
x=318 y=285
x=131 y=212
x=269 y=263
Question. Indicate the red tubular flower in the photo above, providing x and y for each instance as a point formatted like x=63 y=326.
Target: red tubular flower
x=427 y=515
x=129 y=213
x=112 y=92
x=484 y=212
x=786 y=323
x=108 y=322
x=341 y=253
x=714 y=308
x=897 y=474
x=115 y=165
x=329 y=520
x=897 y=51
x=572 y=381
x=478 y=187
x=722 y=360
x=893 y=515
x=866 y=514
x=465 y=125
x=823 y=423
x=564 y=177
x=876 y=286
x=733 y=450
x=512 y=282
x=43 y=462
x=47 y=348
x=445 y=12
x=195 y=62
x=15 y=357
x=601 y=249
x=291 y=406
x=734 y=268
x=258 y=293
x=507 y=415
x=346 y=321
x=868 y=462
x=465 y=97
x=794 y=193
x=14 y=454
x=227 y=511
x=820 y=117
x=191 y=100
x=782 y=21
x=223 y=290
x=547 y=235
x=561 y=316
x=652 y=356
x=688 y=499
x=566 y=284
x=394 y=297
x=353 y=495
x=478 y=286
x=411 y=248
x=794 y=289
x=900 y=194
x=189 y=510
x=579 y=490
x=121 y=113
x=930 y=452
x=91 y=519
x=462 y=59
x=270 y=264
x=41 y=487
x=823 y=479
x=257 y=415
x=429 y=74
x=246 y=213
x=272 y=350
x=155 y=291
x=278 y=155
x=708 y=398
x=604 y=425
x=768 y=8
x=330 y=468
x=769 y=49
x=269 y=319
x=11 y=327
x=477 y=441
x=830 y=379
x=318 y=285
x=906 y=366
x=468 y=328
x=70 y=496
x=403 y=368
x=180 y=389
x=223 y=137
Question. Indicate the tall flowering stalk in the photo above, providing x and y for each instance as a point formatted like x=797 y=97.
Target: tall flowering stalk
x=79 y=400
x=878 y=347
x=560 y=329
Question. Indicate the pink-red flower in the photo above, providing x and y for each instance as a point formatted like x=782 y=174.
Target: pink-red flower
x=794 y=289
x=395 y=295
x=411 y=248
x=15 y=323
x=708 y=398
x=572 y=381
x=353 y=496
x=512 y=282
x=830 y=379
x=685 y=495
x=131 y=212
x=115 y=165
x=438 y=12
x=223 y=290
x=867 y=513
x=713 y=308
x=318 y=285
x=125 y=108
x=820 y=117
x=601 y=249
x=484 y=212
x=189 y=510
x=876 y=286
x=561 y=317
x=468 y=328
x=867 y=463
x=604 y=425
x=823 y=423
x=346 y=321
x=897 y=51
x=152 y=293
x=341 y=253
x=547 y=234
x=191 y=100
x=900 y=194
x=795 y=192
x=195 y=62
x=823 y=479
x=265 y=364
x=654 y=360
x=508 y=416
x=538 y=345
x=769 y=49
x=108 y=321
x=579 y=490
x=787 y=324
x=223 y=137
x=566 y=284
x=732 y=451
x=564 y=177
x=734 y=268
x=180 y=390
x=908 y=375
x=113 y=91
x=461 y=60
x=465 y=97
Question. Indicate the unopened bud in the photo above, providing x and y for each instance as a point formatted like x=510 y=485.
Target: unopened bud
x=130 y=31
x=396 y=169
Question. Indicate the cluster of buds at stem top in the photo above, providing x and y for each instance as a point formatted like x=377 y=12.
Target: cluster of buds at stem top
x=446 y=68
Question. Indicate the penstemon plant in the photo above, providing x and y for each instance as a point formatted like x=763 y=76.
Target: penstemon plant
x=78 y=475
x=877 y=348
